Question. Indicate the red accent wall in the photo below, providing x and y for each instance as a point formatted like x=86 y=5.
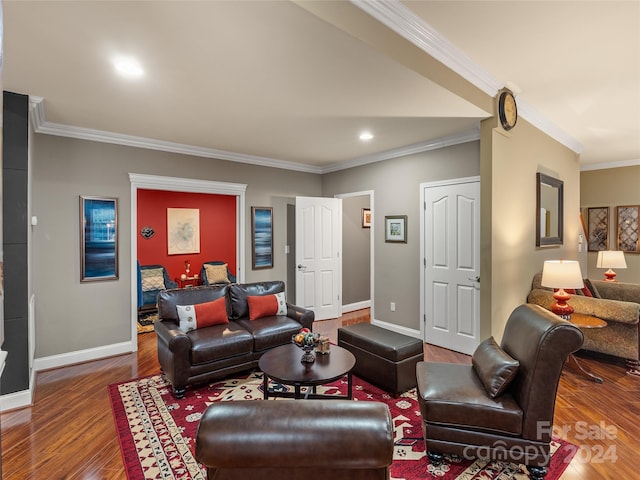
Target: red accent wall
x=217 y=229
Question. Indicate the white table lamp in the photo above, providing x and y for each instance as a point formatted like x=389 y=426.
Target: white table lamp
x=610 y=259
x=562 y=274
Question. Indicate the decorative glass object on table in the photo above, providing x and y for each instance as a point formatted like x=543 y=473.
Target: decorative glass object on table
x=306 y=340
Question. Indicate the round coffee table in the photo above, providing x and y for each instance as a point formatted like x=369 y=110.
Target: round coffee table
x=282 y=364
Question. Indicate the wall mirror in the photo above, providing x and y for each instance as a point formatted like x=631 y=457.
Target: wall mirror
x=549 y=210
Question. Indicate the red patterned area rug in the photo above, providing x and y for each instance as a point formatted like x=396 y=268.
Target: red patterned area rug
x=157 y=432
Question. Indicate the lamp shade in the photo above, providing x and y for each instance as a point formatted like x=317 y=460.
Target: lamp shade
x=562 y=274
x=611 y=259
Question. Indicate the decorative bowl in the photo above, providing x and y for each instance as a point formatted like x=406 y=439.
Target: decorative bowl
x=307 y=341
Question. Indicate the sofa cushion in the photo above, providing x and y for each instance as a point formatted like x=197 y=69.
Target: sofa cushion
x=216 y=273
x=238 y=293
x=202 y=314
x=495 y=368
x=453 y=395
x=168 y=299
x=271 y=331
x=219 y=342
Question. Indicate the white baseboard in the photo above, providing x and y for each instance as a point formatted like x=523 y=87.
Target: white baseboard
x=64 y=359
x=23 y=398
x=352 y=307
x=397 y=328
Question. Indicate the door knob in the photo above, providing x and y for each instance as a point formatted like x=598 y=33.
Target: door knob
x=476 y=279
x=301 y=267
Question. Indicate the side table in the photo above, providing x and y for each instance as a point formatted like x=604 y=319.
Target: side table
x=188 y=281
x=585 y=321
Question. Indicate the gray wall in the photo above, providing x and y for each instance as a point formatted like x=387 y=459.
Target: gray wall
x=356 y=251
x=73 y=316
x=396 y=186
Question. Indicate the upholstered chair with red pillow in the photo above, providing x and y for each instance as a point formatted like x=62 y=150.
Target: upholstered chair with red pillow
x=616 y=303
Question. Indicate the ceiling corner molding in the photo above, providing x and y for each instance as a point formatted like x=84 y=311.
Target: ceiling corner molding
x=602 y=166
x=464 y=137
x=531 y=115
x=400 y=19
x=41 y=125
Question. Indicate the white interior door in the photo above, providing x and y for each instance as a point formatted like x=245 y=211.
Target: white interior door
x=451 y=296
x=319 y=255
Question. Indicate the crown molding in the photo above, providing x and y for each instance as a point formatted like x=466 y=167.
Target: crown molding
x=535 y=118
x=602 y=166
x=400 y=19
x=413 y=149
x=41 y=125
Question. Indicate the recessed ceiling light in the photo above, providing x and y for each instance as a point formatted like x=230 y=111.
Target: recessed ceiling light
x=366 y=136
x=128 y=67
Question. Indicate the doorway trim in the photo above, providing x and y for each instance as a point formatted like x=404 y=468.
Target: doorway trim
x=372 y=237
x=187 y=185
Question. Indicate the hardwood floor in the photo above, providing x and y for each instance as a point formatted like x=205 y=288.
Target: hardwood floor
x=69 y=432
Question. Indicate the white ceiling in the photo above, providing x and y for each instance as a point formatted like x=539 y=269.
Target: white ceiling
x=267 y=81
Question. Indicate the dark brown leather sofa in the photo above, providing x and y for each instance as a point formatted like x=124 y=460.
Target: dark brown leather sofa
x=216 y=351
x=296 y=439
x=461 y=416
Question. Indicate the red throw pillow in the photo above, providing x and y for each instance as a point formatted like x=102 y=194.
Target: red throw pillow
x=202 y=314
x=586 y=292
x=262 y=306
x=212 y=313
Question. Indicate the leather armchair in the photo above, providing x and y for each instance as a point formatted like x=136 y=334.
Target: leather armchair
x=460 y=417
x=296 y=439
x=203 y=273
x=148 y=296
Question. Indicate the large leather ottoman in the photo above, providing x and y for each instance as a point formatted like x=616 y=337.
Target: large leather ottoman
x=296 y=439
x=384 y=358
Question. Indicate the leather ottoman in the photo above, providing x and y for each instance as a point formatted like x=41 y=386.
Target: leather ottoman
x=384 y=358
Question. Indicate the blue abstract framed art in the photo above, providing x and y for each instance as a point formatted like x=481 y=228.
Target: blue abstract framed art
x=261 y=237
x=98 y=238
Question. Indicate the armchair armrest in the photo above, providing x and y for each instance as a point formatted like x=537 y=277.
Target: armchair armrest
x=175 y=339
x=301 y=315
x=609 y=310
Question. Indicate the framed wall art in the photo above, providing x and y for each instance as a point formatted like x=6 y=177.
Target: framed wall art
x=395 y=228
x=98 y=238
x=366 y=218
x=261 y=237
x=598 y=229
x=183 y=231
x=627 y=228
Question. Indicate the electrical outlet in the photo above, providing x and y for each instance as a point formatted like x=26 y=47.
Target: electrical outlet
x=393 y=306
